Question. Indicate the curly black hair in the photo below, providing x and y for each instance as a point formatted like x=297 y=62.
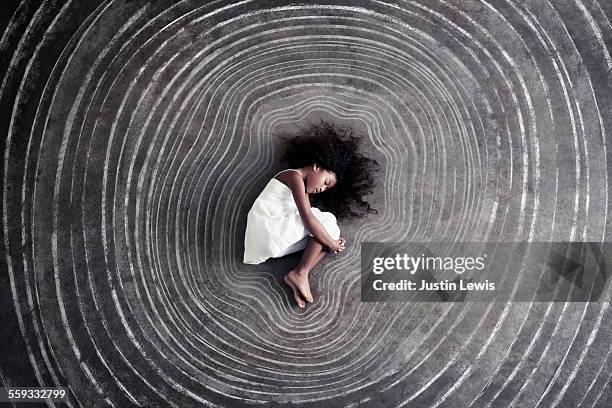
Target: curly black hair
x=335 y=148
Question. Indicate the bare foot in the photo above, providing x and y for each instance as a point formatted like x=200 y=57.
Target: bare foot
x=296 y=294
x=299 y=282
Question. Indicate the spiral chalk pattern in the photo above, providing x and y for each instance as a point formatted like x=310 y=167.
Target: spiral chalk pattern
x=139 y=133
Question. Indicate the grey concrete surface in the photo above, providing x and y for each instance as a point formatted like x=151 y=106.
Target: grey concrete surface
x=137 y=135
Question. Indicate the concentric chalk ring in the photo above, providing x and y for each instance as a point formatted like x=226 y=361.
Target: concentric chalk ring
x=139 y=134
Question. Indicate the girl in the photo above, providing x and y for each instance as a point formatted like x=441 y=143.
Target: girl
x=325 y=162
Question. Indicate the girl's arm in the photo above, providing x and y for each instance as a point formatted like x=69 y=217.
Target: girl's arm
x=311 y=223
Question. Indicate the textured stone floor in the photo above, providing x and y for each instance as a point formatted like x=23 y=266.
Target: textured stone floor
x=137 y=134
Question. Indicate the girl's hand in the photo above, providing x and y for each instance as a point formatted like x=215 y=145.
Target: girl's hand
x=339 y=245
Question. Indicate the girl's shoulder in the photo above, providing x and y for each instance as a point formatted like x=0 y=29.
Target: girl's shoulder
x=286 y=171
x=289 y=177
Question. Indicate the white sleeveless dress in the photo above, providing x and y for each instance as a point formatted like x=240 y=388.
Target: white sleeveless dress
x=274 y=226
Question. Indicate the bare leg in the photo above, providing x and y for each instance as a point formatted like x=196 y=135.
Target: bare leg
x=297 y=278
x=313 y=253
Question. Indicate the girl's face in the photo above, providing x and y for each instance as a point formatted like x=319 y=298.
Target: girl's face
x=318 y=180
